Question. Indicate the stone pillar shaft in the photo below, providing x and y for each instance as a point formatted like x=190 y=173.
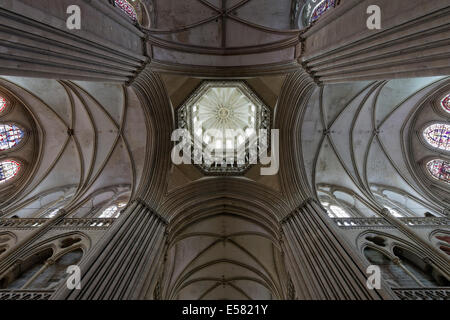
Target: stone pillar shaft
x=125 y=262
x=322 y=265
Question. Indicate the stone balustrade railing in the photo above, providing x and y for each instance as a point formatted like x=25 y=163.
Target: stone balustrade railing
x=433 y=221
x=22 y=222
x=402 y=294
x=361 y=222
x=30 y=223
x=86 y=222
x=422 y=293
x=25 y=294
x=380 y=222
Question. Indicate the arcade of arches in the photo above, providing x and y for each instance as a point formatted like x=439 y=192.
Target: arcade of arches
x=362 y=155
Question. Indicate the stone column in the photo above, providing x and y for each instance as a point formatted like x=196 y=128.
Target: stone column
x=160 y=122
x=323 y=266
x=125 y=263
x=413 y=41
x=35 y=41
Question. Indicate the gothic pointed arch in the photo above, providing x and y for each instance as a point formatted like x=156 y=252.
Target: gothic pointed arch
x=4 y=104
x=445 y=103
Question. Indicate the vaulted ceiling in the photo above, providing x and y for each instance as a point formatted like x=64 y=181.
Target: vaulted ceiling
x=363 y=137
x=91 y=138
x=223 y=33
x=359 y=140
x=224 y=256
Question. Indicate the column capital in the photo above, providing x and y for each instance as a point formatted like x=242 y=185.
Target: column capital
x=385 y=212
x=153 y=211
x=397 y=261
x=305 y=202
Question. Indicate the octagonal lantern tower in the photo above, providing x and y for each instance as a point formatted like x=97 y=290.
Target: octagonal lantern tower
x=224 y=119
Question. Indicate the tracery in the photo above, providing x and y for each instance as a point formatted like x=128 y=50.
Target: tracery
x=10 y=136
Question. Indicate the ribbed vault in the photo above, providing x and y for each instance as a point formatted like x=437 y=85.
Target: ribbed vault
x=223 y=33
x=360 y=144
x=224 y=246
x=96 y=143
x=91 y=146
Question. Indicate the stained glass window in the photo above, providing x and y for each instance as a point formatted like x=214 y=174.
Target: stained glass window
x=339 y=212
x=321 y=9
x=445 y=103
x=394 y=212
x=126 y=7
x=314 y=9
x=109 y=212
x=3 y=104
x=438 y=135
x=10 y=135
x=112 y=211
x=120 y=205
x=439 y=169
x=8 y=170
x=51 y=213
x=335 y=211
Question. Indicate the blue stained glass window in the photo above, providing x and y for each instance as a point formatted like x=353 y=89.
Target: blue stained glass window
x=321 y=8
x=438 y=136
x=10 y=135
x=439 y=169
x=8 y=170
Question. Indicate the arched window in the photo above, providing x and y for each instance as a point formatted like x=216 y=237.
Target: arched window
x=126 y=7
x=313 y=9
x=339 y=212
x=407 y=270
x=335 y=211
x=8 y=170
x=444 y=242
x=423 y=272
x=438 y=136
x=3 y=104
x=52 y=212
x=10 y=136
x=392 y=273
x=37 y=272
x=112 y=211
x=7 y=240
x=439 y=169
x=394 y=212
x=52 y=274
x=445 y=103
x=20 y=276
x=321 y=8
